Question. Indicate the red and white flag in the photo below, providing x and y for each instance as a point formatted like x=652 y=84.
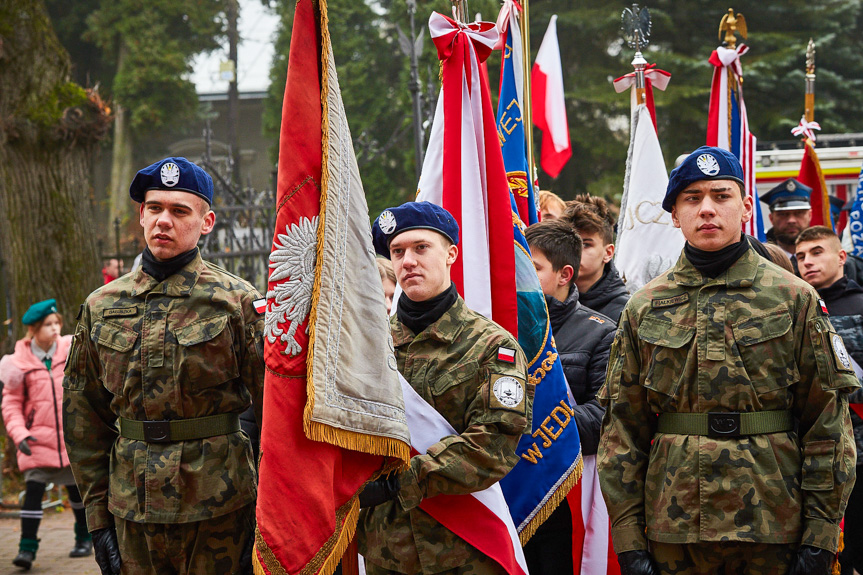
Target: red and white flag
x=549 y=105
x=333 y=411
x=811 y=174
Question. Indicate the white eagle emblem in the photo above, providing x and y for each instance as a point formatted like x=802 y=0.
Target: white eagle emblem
x=790 y=186
x=170 y=173
x=387 y=222
x=293 y=258
x=707 y=164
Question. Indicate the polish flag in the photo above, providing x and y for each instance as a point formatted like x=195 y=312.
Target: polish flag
x=549 y=107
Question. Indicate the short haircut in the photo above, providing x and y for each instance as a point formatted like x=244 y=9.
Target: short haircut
x=558 y=241
x=590 y=215
x=385 y=268
x=779 y=257
x=547 y=198
x=818 y=233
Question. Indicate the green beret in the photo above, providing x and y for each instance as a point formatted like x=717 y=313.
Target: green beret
x=39 y=311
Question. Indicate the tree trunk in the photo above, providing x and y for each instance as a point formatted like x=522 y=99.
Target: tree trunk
x=49 y=129
x=119 y=205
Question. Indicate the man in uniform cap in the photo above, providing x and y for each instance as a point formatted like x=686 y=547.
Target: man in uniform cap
x=790 y=213
x=471 y=371
x=162 y=363
x=726 y=445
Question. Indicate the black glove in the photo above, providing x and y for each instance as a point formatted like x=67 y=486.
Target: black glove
x=106 y=550
x=246 y=557
x=812 y=561
x=24 y=446
x=636 y=562
x=380 y=491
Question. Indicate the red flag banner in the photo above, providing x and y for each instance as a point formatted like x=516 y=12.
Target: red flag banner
x=333 y=411
x=811 y=175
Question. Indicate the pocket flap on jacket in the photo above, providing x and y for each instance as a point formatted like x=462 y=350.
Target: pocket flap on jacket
x=201 y=330
x=117 y=337
x=664 y=333
x=762 y=328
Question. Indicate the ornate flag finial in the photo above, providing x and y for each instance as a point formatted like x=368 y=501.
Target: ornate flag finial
x=810 y=58
x=730 y=24
x=635 y=25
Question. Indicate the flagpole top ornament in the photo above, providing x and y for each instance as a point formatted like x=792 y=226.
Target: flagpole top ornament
x=635 y=25
x=810 y=58
x=460 y=11
x=730 y=24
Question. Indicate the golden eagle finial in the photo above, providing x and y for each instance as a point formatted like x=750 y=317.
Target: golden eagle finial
x=730 y=24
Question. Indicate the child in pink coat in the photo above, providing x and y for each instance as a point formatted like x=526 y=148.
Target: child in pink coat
x=33 y=413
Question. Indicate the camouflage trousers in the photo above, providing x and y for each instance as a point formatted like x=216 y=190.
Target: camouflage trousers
x=722 y=558
x=211 y=546
x=478 y=565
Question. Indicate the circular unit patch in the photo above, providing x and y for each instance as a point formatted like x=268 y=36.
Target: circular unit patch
x=508 y=392
x=841 y=352
x=387 y=222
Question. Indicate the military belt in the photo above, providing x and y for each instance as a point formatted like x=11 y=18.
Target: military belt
x=168 y=431
x=726 y=423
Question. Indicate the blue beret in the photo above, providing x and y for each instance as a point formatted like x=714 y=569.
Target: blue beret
x=705 y=163
x=411 y=216
x=788 y=195
x=39 y=311
x=172 y=174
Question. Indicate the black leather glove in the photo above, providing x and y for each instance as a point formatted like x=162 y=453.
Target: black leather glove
x=106 y=550
x=380 y=491
x=636 y=562
x=812 y=561
x=24 y=446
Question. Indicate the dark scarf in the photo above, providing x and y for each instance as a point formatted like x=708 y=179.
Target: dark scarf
x=163 y=270
x=712 y=264
x=418 y=315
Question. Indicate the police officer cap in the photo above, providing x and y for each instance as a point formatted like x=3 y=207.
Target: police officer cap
x=172 y=174
x=411 y=216
x=789 y=195
x=705 y=163
x=39 y=311
x=836 y=205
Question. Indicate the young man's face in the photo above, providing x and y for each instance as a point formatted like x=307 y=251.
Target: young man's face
x=710 y=214
x=421 y=261
x=174 y=221
x=553 y=283
x=821 y=262
x=595 y=254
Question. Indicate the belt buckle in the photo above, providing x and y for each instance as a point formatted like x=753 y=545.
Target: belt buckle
x=157 y=431
x=723 y=424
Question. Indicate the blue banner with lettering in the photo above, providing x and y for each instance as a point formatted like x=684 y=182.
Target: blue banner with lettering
x=550 y=456
x=855 y=218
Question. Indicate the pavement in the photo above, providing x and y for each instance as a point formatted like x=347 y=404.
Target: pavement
x=57 y=536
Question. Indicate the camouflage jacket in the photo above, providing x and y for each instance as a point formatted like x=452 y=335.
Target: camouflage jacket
x=752 y=339
x=453 y=364
x=187 y=347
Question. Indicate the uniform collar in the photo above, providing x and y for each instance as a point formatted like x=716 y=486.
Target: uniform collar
x=441 y=330
x=178 y=285
x=740 y=274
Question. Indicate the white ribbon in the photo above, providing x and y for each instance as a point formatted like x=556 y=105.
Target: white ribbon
x=805 y=128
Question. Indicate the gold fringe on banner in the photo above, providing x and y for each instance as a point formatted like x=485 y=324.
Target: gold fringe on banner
x=556 y=499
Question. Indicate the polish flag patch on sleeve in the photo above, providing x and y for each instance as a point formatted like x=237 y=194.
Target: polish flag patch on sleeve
x=506 y=354
x=823 y=307
x=260 y=305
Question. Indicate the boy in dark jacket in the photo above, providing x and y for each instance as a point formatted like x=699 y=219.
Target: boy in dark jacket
x=583 y=337
x=599 y=284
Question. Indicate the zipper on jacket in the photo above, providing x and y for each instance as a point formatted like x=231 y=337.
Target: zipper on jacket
x=56 y=417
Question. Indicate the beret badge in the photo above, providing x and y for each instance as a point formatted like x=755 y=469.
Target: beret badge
x=707 y=164
x=387 y=222
x=170 y=174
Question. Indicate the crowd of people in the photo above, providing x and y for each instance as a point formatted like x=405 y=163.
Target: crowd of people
x=721 y=400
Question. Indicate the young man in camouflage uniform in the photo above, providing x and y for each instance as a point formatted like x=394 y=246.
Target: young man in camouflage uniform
x=727 y=445
x=163 y=362
x=454 y=358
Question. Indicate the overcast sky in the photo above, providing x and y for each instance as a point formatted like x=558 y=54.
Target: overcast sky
x=257 y=28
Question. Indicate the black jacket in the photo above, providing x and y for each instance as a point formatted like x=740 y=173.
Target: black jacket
x=844 y=301
x=583 y=338
x=608 y=295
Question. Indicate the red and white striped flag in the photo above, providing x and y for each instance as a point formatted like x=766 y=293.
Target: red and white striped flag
x=549 y=105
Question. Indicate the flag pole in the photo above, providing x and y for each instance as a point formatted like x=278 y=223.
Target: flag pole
x=527 y=113
x=635 y=25
x=810 y=82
